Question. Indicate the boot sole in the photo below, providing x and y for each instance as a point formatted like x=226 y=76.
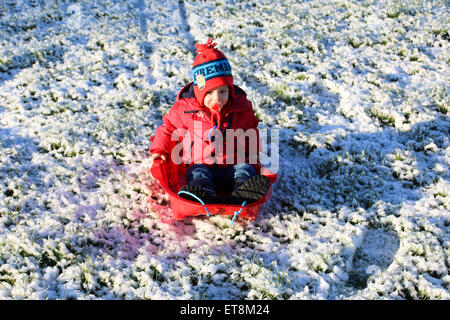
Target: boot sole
x=251 y=191
x=205 y=196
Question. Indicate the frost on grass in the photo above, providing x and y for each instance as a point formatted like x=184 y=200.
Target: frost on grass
x=356 y=89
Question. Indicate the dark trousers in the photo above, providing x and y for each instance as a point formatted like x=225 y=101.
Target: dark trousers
x=226 y=178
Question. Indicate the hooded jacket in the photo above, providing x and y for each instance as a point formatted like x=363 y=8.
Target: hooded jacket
x=193 y=134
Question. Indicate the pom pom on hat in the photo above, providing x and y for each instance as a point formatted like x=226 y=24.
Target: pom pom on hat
x=210 y=70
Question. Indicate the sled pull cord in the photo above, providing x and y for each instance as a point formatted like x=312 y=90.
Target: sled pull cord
x=199 y=200
x=236 y=213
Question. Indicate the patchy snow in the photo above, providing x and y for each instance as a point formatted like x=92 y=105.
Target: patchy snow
x=357 y=89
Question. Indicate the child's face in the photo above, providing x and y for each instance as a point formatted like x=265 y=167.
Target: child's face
x=218 y=96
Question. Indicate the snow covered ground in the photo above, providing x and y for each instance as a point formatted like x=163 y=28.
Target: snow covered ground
x=359 y=91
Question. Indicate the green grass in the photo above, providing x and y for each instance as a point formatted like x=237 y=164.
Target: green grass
x=302 y=77
x=280 y=94
x=393 y=14
x=355 y=43
x=443 y=108
x=9 y=279
x=382 y=117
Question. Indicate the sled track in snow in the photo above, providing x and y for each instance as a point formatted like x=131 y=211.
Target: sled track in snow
x=187 y=28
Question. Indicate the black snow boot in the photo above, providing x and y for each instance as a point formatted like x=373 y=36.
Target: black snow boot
x=251 y=190
x=204 y=195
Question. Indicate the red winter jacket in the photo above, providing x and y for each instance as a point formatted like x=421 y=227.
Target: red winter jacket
x=198 y=129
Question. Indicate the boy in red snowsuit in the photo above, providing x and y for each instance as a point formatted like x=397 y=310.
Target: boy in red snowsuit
x=219 y=130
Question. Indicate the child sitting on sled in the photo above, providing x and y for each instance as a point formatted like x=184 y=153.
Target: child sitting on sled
x=215 y=120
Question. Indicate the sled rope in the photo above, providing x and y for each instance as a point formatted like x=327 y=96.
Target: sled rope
x=236 y=213
x=199 y=200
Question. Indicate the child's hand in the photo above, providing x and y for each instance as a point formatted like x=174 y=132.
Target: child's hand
x=156 y=156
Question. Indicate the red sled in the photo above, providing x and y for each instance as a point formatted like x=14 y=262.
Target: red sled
x=172 y=177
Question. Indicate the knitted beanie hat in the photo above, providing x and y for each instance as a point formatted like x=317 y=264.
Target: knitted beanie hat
x=210 y=70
